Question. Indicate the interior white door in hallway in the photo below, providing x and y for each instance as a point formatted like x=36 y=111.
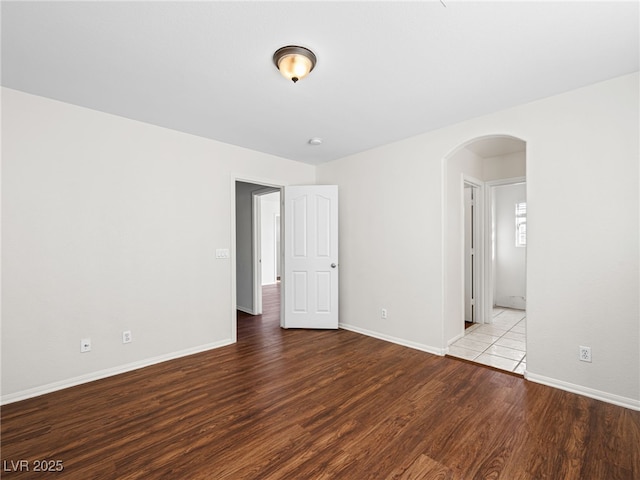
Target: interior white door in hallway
x=310 y=240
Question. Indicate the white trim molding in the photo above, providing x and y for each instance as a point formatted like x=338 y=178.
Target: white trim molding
x=631 y=403
x=399 y=341
x=109 y=372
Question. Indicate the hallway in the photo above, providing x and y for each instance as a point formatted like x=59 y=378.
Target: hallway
x=500 y=344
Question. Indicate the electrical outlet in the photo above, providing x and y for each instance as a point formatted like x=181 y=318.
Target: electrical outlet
x=126 y=336
x=585 y=354
x=85 y=345
x=383 y=313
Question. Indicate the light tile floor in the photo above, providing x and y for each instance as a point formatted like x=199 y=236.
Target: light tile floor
x=500 y=344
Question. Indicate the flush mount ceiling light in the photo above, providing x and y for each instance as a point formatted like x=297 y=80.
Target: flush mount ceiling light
x=294 y=62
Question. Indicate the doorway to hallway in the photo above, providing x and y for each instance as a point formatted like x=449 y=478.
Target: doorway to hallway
x=485 y=208
x=257 y=245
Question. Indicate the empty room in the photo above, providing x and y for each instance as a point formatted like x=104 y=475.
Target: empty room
x=320 y=240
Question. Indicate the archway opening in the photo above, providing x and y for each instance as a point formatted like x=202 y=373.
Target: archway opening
x=485 y=252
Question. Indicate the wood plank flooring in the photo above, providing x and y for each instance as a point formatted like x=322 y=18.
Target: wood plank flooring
x=295 y=404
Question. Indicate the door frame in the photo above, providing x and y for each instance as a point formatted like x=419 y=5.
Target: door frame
x=256 y=243
x=489 y=274
x=480 y=252
x=267 y=183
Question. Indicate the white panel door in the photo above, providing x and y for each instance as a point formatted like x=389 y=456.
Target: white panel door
x=310 y=238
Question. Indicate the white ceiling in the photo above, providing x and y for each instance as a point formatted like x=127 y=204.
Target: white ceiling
x=386 y=70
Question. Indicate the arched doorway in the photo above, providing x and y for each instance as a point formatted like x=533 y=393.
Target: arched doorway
x=485 y=252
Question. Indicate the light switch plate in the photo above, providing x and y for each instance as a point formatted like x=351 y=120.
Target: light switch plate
x=222 y=253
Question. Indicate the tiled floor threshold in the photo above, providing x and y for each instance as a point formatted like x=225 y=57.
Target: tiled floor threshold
x=500 y=344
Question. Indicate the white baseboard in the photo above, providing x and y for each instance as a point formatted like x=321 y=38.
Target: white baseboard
x=400 y=341
x=630 y=403
x=109 y=372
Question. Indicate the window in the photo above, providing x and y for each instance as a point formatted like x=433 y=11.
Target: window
x=521 y=224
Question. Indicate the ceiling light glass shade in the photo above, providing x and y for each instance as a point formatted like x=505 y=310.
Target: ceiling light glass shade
x=294 y=62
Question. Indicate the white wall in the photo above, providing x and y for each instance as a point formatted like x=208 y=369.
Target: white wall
x=509 y=261
x=110 y=225
x=270 y=208
x=462 y=165
x=390 y=242
x=511 y=165
x=581 y=146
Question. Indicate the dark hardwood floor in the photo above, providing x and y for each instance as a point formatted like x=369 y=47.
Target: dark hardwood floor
x=296 y=404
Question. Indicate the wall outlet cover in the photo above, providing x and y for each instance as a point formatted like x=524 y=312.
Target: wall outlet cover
x=585 y=354
x=85 y=345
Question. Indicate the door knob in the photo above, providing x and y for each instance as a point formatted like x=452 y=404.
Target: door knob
x=333 y=265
